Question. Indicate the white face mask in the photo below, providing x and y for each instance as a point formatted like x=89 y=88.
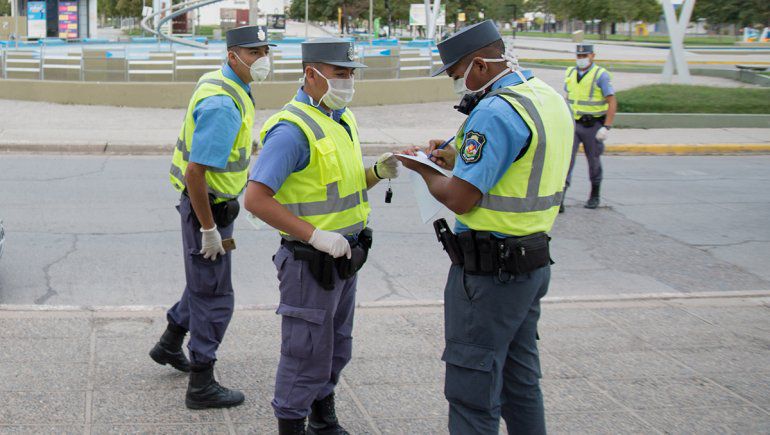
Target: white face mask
x=258 y=70
x=461 y=88
x=583 y=63
x=339 y=93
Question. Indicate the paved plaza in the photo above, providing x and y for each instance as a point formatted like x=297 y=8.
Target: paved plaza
x=694 y=365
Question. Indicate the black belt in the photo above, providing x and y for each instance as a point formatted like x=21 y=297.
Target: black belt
x=322 y=265
x=481 y=253
x=224 y=213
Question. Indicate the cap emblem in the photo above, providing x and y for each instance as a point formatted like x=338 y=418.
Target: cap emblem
x=261 y=34
x=351 y=52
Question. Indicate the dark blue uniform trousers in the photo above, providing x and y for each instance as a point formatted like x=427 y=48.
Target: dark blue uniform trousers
x=492 y=362
x=206 y=306
x=593 y=149
x=316 y=340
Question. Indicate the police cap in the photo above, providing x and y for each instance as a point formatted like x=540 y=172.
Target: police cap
x=465 y=42
x=331 y=51
x=248 y=37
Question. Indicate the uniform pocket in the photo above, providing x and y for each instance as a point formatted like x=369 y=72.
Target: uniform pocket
x=470 y=378
x=301 y=330
x=208 y=276
x=327 y=158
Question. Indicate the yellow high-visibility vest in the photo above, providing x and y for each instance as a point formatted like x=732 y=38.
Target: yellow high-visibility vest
x=585 y=97
x=526 y=199
x=227 y=183
x=330 y=192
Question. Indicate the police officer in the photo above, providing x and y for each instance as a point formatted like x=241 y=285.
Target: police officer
x=505 y=189
x=210 y=168
x=592 y=100
x=309 y=182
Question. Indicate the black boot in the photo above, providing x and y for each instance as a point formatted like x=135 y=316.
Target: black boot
x=563 y=197
x=204 y=391
x=593 y=201
x=168 y=350
x=323 y=418
x=291 y=427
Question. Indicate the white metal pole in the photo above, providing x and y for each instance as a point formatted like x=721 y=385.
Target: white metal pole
x=371 y=18
x=15 y=18
x=307 y=23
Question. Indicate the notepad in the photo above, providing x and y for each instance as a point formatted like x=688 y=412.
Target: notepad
x=428 y=206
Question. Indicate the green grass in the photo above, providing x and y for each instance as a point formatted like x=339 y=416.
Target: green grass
x=659 y=39
x=612 y=66
x=693 y=99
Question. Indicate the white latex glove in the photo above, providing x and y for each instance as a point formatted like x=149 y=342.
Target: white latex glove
x=211 y=243
x=386 y=166
x=602 y=134
x=334 y=244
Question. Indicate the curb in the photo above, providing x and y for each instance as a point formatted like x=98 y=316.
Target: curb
x=371 y=150
x=426 y=303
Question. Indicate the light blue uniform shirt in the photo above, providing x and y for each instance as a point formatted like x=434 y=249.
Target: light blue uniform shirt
x=217 y=122
x=603 y=82
x=286 y=149
x=505 y=137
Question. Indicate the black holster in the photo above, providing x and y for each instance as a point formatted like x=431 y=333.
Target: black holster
x=448 y=240
x=322 y=265
x=485 y=254
x=224 y=213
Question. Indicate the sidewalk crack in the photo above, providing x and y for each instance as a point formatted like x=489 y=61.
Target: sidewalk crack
x=360 y=406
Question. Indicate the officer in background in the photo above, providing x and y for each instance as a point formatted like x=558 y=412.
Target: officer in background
x=592 y=100
x=505 y=189
x=309 y=182
x=210 y=168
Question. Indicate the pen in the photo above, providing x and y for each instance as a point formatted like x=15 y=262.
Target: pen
x=442 y=146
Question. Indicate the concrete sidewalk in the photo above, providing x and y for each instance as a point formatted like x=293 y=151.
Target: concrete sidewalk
x=44 y=127
x=688 y=365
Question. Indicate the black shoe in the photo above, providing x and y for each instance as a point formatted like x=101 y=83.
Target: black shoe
x=168 y=350
x=204 y=391
x=593 y=200
x=323 y=418
x=563 y=197
x=291 y=427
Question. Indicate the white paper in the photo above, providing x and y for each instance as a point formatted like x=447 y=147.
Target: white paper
x=421 y=157
x=428 y=205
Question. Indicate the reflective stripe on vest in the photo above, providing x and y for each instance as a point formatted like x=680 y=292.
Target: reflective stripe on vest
x=582 y=107
x=241 y=165
x=223 y=183
x=177 y=172
x=532 y=202
x=331 y=190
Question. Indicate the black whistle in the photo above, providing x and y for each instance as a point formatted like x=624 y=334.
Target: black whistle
x=388 y=196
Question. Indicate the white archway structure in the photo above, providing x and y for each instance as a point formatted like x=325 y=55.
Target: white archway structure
x=676 y=61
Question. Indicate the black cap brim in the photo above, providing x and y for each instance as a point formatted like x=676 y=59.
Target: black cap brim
x=350 y=64
x=444 y=68
x=254 y=44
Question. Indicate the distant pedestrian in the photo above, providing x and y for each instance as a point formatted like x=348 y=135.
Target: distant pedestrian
x=592 y=99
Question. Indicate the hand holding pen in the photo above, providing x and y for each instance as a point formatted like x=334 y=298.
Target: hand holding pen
x=441 y=153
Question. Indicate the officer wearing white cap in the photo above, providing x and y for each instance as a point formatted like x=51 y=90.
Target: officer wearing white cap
x=505 y=189
x=592 y=100
x=209 y=168
x=309 y=182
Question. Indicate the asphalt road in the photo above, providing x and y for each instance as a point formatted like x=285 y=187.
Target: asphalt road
x=96 y=230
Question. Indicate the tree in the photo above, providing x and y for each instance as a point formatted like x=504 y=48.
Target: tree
x=738 y=12
x=5 y=7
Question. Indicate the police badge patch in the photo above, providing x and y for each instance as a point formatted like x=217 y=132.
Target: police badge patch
x=472 y=146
